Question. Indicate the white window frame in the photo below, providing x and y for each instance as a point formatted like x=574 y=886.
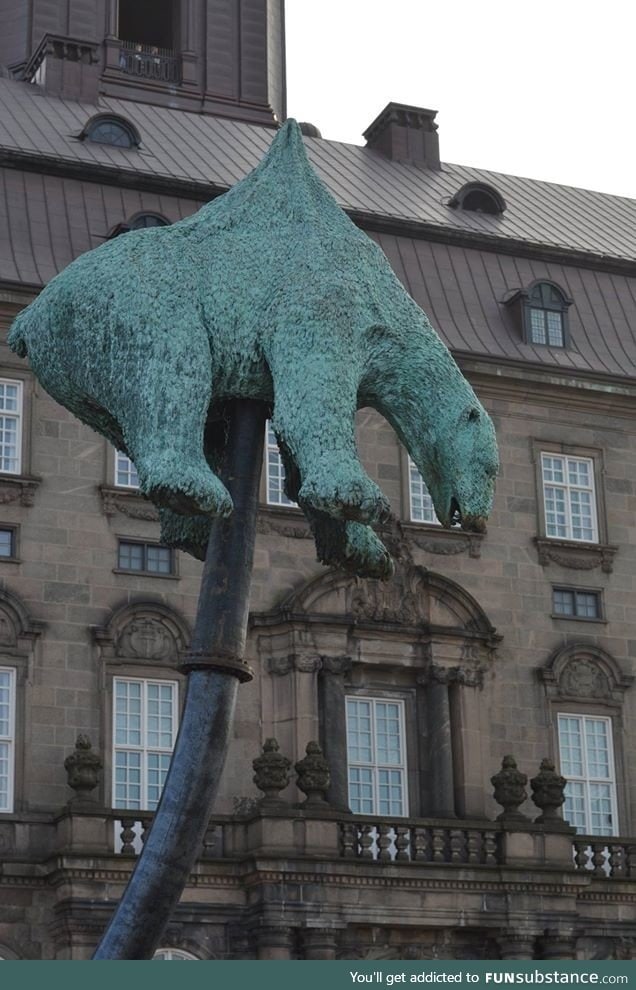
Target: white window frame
x=8 y=740
x=18 y=417
x=143 y=748
x=416 y=481
x=272 y=454
x=174 y=955
x=568 y=488
x=585 y=778
x=375 y=765
x=123 y=462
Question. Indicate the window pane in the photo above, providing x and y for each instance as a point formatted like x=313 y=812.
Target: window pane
x=563 y=602
x=131 y=556
x=582 y=517
x=421 y=502
x=390 y=792
x=158 y=559
x=361 y=790
x=5 y=776
x=125 y=471
x=375 y=756
x=598 y=762
x=275 y=471
x=359 y=731
x=600 y=809
x=128 y=713
x=579 y=473
x=588 y=604
x=6 y=543
x=574 y=808
x=537 y=326
x=570 y=746
x=555 y=513
x=555 y=328
x=127 y=779
x=553 y=468
x=158 y=764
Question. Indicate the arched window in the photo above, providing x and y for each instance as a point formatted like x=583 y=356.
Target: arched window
x=143 y=220
x=545 y=315
x=111 y=130
x=477 y=197
x=174 y=955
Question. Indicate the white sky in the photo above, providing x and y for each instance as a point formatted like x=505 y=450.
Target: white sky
x=541 y=89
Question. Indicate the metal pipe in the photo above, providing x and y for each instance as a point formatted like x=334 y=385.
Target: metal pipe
x=215 y=664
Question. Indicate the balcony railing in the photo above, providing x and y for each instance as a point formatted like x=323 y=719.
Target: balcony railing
x=418 y=841
x=148 y=62
x=606 y=858
x=130 y=833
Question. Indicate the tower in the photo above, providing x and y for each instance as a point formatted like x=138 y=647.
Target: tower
x=223 y=57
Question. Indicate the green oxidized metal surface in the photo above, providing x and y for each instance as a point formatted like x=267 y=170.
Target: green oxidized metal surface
x=269 y=292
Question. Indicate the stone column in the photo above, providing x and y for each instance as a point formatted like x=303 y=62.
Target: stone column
x=112 y=11
x=557 y=945
x=188 y=35
x=516 y=945
x=440 y=743
x=333 y=727
x=275 y=942
x=319 y=943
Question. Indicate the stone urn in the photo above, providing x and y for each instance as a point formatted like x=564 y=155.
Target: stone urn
x=510 y=790
x=548 y=793
x=313 y=776
x=271 y=773
x=82 y=767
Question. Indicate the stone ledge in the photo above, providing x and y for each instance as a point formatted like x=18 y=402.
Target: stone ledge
x=575 y=555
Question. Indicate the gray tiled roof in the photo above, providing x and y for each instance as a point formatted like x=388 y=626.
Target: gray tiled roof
x=205 y=149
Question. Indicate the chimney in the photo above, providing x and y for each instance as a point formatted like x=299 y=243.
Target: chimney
x=405 y=134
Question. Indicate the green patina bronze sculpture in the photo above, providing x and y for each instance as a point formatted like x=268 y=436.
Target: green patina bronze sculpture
x=269 y=292
x=175 y=343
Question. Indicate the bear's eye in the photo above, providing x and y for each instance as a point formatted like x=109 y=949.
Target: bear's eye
x=473 y=415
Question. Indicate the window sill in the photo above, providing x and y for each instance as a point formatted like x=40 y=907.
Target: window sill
x=578 y=618
x=575 y=555
x=129 y=501
x=448 y=542
x=145 y=574
x=18 y=488
x=10 y=560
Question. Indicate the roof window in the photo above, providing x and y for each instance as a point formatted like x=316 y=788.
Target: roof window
x=477 y=197
x=115 y=131
x=542 y=310
x=140 y=221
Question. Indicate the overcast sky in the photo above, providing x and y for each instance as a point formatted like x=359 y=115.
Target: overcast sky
x=541 y=89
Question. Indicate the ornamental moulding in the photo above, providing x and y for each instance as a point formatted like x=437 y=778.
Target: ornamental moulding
x=132 y=504
x=445 y=542
x=578 y=557
x=20 y=489
x=585 y=673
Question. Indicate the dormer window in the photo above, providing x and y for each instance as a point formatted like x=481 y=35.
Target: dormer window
x=545 y=315
x=140 y=221
x=111 y=130
x=541 y=312
x=477 y=197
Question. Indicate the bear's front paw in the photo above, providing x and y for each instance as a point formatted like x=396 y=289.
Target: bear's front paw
x=192 y=496
x=365 y=554
x=345 y=496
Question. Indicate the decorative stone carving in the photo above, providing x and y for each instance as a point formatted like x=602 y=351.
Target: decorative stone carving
x=147 y=639
x=548 y=793
x=313 y=775
x=447 y=543
x=132 y=504
x=267 y=524
x=82 y=768
x=20 y=490
x=336 y=665
x=7 y=630
x=389 y=601
x=271 y=772
x=579 y=558
x=279 y=666
x=307 y=663
x=510 y=790
x=583 y=678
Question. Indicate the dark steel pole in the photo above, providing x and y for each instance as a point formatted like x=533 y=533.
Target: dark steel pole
x=216 y=666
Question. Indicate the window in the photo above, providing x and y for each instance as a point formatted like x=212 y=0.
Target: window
x=151 y=23
x=275 y=471
x=125 y=471
x=146 y=558
x=421 y=503
x=111 y=130
x=478 y=197
x=7 y=542
x=144 y=732
x=144 y=220
x=569 y=497
x=174 y=955
x=545 y=314
x=587 y=760
x=10 y=426
x=576 y=604
x=376 y=756
x=7 y=737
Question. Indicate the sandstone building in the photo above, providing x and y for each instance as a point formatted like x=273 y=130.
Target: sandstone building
x=117 y=115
